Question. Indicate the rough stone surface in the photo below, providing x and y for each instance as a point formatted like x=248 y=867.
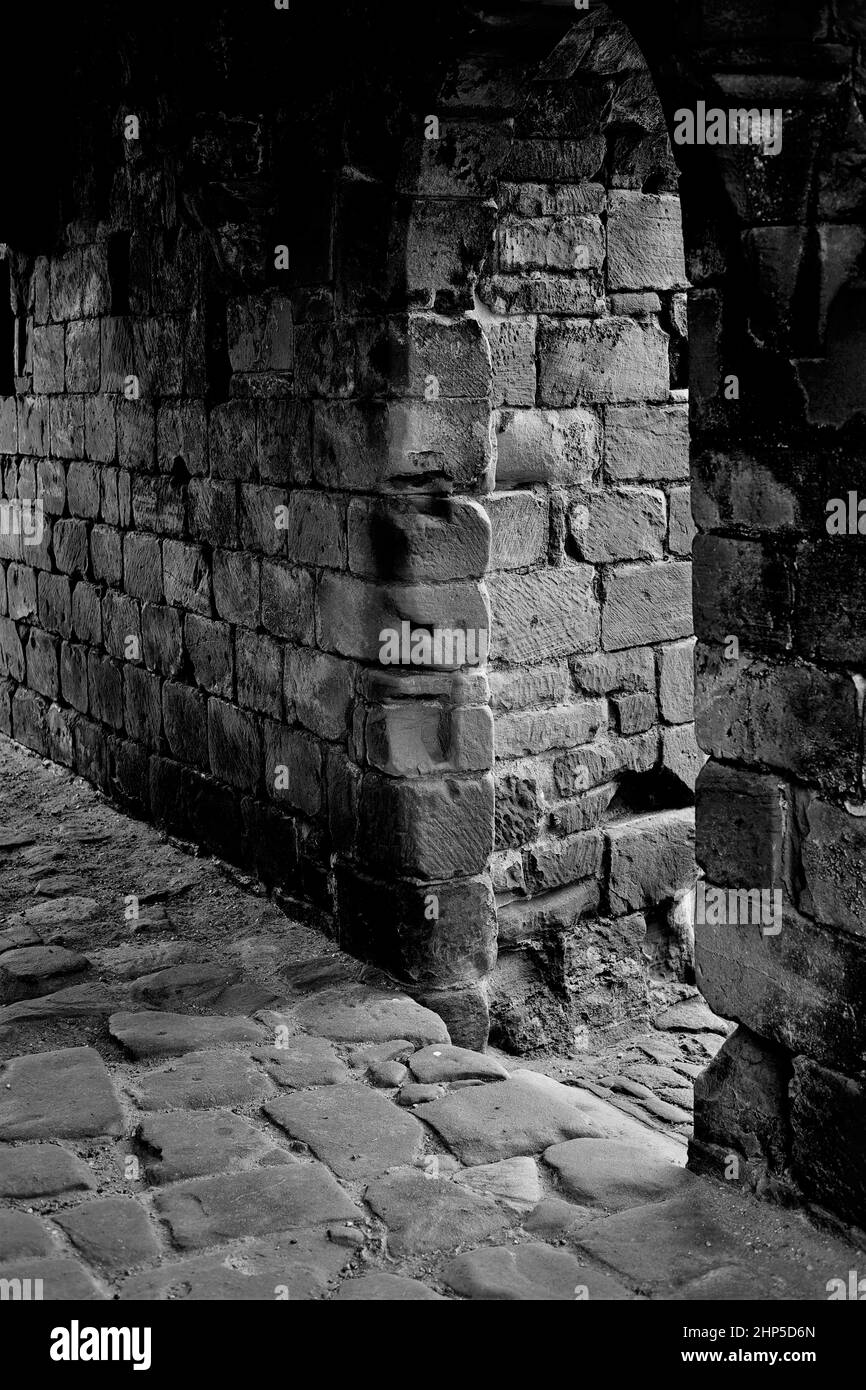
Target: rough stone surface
x=199 y=1081
x=58 y=1095
x=434 y=1064
x=41 y=1170
x=114 y=1233
x=612 y=1175
x=361 y=1014
x=192 y=1146
x=424 y=1214
x=170 y=1035
x=357 y=1132
x=213 y=1210
x=534 y=1272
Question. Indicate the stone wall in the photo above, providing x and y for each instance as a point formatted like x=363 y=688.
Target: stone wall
x=392 y=233
x=582 y=300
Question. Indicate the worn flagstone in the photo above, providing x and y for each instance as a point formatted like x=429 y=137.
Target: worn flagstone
x=214 y=1210
x=58 y=1095
x=356 y=1131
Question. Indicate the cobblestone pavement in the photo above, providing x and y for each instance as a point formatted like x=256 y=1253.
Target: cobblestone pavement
x=201 y=1098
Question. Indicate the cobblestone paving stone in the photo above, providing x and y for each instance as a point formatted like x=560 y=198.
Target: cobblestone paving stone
x=208 y=1101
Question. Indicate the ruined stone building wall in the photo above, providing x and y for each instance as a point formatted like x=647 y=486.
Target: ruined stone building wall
x=379 y=412
x=582 y=299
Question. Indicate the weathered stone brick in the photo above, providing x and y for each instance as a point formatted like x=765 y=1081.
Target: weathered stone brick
x=51 y=485
x=185 y=720
x=635 y=713
x=319 y=690
x=232 y=440
x=136 y=435
x=213 y=511
x=645 y=242
x=681 y=755
x=8 y=425
x=676 y=671
x=647 y=443
x=66 y=277
x=682 y=529
x=181 y=432
x=117 y=355
x=351 y=615
x=547 y=614
x=48 y=359
x=55 y=604
x=833 y=854
x=512 y=351
x=422 y=350
x=316 y=529
x=803 y=988
x=100 y=428
x=234 y=746
x=325 y=365
x=21 y=592
x=236 y=586
x=604 y=672
x=293 y=768
x=210 y=652
x=142 y=705
x=524 y=689
x=520 y=530
x=106 y=554
x=40 y=653
x=829 y=1136
x=287 y=601
x=259 y=663
x=618 y=525
x=261 y=334
x=82 y=490
x=562 y=862
x=601 y=360
x=142 y=567
x=30 y=721
x=105 y=682
x=636 y=303
x=285 y=442
x=95 y=284
x=370 y=446
x=186 y=578
x=795 y=719
x=82 y=356
x=121 y=620
x=417 y=738
x=391 y=922
x=33 y=425
x=257 y=519
x=66 y=425
x=831 y=589
x=162 y=639
x=157 y=505
x=435 y=828
x=413 y=540
x=70 y=546
x=538 y=731
x=741 y=587
x=652 y=859
x=73 y=676
x=552 y=243
x=646 y=603
x=109 y=495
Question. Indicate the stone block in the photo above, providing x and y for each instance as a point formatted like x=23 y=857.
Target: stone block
x=652 y=860
x=646 y=603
